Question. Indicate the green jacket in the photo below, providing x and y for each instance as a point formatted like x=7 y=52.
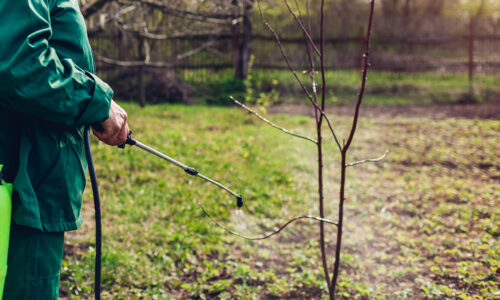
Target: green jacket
x=47 y=95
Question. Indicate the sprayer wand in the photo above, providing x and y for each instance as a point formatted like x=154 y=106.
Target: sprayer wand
x=190 y=170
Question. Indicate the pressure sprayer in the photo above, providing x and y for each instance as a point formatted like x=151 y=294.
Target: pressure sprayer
x=5 y=215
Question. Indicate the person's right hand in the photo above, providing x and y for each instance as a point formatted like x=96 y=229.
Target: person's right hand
x=115 y=128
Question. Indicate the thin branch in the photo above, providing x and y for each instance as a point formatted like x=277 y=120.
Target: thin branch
x=267 y=235
x=363 y=81
x=368 y=160
x=290 y=67
x=195 y=50
x=319 y=122
x=271 y=123
x=283 y=53
x=312 y=67
x=322 y=58
x=119 y=63
x=300 y=12
x=302 y=27
x=183 y=36
x=216 y=52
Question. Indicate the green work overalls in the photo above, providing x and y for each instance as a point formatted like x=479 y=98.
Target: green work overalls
x=47 y=95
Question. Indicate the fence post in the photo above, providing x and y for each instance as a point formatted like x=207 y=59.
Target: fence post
x=142 y=73
x=243 y=53
x=471 y=38
x=235 y=30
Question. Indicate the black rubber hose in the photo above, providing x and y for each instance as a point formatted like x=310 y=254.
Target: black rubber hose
x=97 y=207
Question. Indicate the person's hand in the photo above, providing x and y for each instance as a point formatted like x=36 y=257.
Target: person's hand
x=115 y=129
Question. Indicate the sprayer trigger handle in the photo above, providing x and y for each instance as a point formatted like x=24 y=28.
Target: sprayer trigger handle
x=130 y=141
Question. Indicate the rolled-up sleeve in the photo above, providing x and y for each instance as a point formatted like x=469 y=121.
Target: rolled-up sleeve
x=34 y=80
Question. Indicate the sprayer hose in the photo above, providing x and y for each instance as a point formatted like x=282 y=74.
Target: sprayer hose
x=97 y=207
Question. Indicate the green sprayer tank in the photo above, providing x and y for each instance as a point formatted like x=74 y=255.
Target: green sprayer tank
x=5 y=215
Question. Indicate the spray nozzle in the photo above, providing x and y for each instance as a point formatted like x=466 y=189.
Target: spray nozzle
x=239 y=201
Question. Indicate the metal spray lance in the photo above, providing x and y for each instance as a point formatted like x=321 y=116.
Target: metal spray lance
x=190 y=170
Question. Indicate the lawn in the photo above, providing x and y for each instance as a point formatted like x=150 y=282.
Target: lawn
x=421 y=224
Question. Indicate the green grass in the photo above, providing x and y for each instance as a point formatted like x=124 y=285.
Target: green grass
x=421 y=224
x=383 y=88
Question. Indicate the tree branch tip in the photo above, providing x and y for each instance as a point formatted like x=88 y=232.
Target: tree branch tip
x=368 y=160
x=289 y=132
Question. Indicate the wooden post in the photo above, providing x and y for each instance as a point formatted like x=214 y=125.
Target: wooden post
x=235 y=30
x=243 y=55
x=123 y=41
x=142 y=74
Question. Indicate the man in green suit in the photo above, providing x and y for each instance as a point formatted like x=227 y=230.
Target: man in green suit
x=48 y=93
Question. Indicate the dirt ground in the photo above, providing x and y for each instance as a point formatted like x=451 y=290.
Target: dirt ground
x=489 y=110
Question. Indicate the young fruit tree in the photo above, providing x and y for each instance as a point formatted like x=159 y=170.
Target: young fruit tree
x=316 y=94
